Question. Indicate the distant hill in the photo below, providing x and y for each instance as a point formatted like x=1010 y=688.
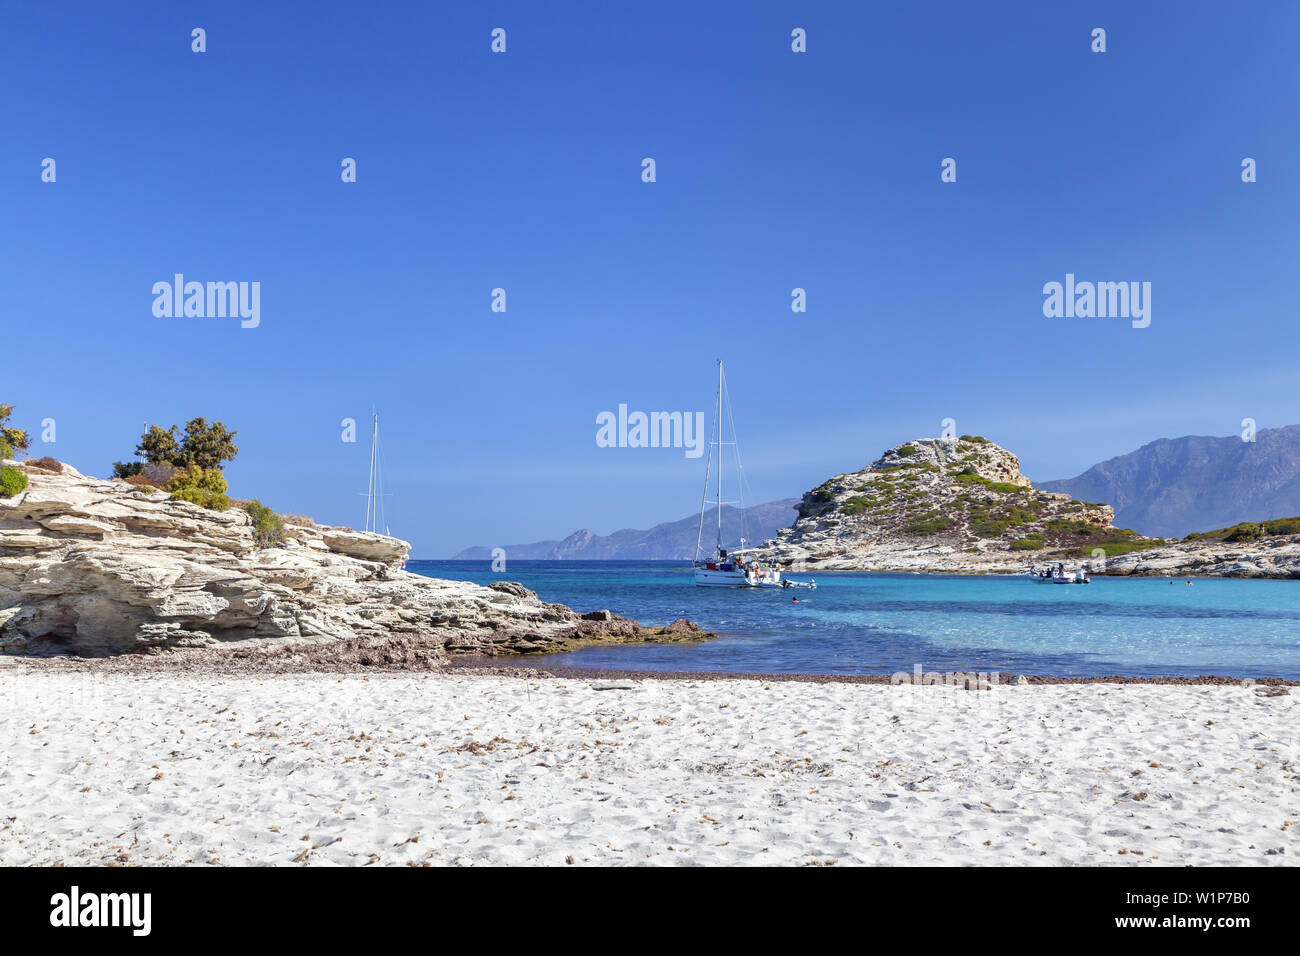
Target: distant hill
x=1174 y=486
x=950 y=505
x=670 y=541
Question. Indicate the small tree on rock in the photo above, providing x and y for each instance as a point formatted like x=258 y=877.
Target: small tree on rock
x=202 y=446
x=207 y=446
x=160 y=446
x=12 y=440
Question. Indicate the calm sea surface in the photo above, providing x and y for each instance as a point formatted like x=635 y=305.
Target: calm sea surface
x=858 y=623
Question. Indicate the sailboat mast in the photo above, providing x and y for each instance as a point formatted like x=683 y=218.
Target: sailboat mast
x=718 y=412
x=372 y=508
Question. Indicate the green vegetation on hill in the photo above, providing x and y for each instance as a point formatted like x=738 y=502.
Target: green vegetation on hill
x=1249 y=531
x=953 y=499
x=1114 y=541
x=930 y=525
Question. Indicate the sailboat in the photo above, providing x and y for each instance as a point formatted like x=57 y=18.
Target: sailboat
x=376 y=520
x=742 y=567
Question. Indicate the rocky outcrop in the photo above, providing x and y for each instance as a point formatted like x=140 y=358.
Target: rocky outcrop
x=93 y=567
x=1272 y=558
x=955 y=505
x=962 y=506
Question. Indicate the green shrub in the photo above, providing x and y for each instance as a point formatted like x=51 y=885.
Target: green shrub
x=822 y=493
x=1246 y=532
x=932 y=526
x=205 y=487
x=906 y=451
x=969 y=477
x=12 y=440
x=268 y=528
x=974 y=439
x=1071 y=526
x=127 y=469
x=1004 y=487
x=1283 y=526
x=12 y=481
x=1027 y=544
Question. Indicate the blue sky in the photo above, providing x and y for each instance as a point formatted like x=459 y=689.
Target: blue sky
x=522 y=170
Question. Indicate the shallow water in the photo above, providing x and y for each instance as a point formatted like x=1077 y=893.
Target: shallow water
x=859 y=623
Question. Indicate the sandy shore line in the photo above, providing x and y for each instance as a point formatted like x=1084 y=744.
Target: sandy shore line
x=548 y=666
x=369 y=656
x=116 y=768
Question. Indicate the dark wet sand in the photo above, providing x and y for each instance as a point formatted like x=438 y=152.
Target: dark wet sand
x=526 y=668
x=392 y=656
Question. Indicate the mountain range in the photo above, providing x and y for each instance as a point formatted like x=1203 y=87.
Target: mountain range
x=1174 y=486
x=1167 y=488
x=669 y=541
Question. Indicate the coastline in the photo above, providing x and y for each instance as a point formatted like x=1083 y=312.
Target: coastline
x=368 y=659
x=532 y=668
x=1279 y=562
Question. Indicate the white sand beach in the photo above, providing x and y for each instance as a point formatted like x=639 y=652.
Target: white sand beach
x=463 y=769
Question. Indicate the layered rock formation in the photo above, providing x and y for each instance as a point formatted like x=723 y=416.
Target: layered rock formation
x=95 y=567
x=1272 y=558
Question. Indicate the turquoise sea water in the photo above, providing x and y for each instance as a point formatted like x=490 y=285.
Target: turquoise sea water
x=857 y=623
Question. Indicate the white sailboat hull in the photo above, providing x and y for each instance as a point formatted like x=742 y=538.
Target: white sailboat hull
x=721 y=579
x=751 y=577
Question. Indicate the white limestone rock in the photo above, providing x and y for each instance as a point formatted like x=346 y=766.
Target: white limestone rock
x=99 y=567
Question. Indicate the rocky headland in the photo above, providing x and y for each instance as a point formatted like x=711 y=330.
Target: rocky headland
x=962 y=506
x=94 y=568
